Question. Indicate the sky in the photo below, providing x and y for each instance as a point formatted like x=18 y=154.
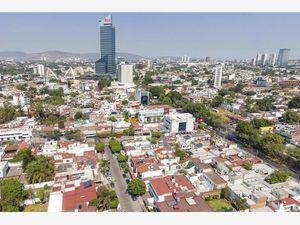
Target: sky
x=218 y=35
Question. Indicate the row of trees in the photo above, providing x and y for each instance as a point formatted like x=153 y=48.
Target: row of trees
x=106 y=199
x=115 y=146
x=250 y=134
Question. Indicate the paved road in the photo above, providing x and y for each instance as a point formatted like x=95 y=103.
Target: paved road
x=126 y=202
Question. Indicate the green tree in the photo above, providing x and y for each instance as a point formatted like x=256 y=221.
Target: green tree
x=55 y=135
x=100 y=147
x=294 y=103
x=106 y=199
x=7 y=114
x=247 y=165
x=122 y=158
x=115 y=146
x=25 y=156
x=258 y=123
x=113 y=119
x=278 y=176
x=40 y=170
x=156 y=134
x=217 y=101
x=157 y=91
x=103 y=84
x=136 y=187
x=12 y=194
x=291 y=117
x=241 y=204
x=180 y=153
x=104 y=166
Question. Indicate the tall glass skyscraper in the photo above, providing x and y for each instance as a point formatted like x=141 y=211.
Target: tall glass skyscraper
x=283 y=57
x=106 y=65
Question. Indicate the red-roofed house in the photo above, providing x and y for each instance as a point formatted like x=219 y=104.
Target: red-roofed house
x=168 y=185
x=285 y=205
x=183 y=202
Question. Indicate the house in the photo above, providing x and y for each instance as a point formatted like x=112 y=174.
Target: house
x=285 y=205
x=168 y=185
x=215 y=181
x=183 y=202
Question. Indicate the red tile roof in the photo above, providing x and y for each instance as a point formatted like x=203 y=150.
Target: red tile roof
x=169 y=184
x=80 y=196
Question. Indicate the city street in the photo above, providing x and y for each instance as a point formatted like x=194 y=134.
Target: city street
x=127 y=204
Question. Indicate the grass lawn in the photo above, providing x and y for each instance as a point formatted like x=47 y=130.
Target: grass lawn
x=36 y=208
x=218 y=204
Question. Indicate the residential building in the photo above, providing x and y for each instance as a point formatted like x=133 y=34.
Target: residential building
x=218 y=77
x=39 y=69
x=283 y=57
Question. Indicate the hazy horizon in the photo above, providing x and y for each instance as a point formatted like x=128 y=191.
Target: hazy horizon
x=218 y=35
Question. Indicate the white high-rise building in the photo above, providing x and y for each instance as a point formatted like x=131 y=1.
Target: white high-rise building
x=258 y=59
x=149 y=64
x=272 y=59
x=218 y=77
x=125 y=73
x=185 y=59
x=264 y=59
x=39 y=69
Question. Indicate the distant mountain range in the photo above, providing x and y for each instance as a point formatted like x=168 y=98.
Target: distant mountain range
x=52 y=55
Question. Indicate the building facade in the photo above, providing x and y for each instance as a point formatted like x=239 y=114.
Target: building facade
x=218 y=77
x=106 y=65
x=125 y=73
x=283 y=57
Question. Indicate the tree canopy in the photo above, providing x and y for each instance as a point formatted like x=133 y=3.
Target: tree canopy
x=136 y=187
x=278 y=176
x=291 y=117
x=12 y=194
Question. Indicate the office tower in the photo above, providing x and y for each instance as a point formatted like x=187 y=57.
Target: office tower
x=207 y=59
x=125 y=73
x=142 y=96
x=264 y=59
x=283 y=57
x=39 y=69
x=272 y=59
x=106 y=65
x=218 y=77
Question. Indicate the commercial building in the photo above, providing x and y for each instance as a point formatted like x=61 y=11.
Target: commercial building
x=179 y=122
x=283 y=57
x=18 y=129
x=218 y=77
x=272 y=59
x=125 y=73
x=142 y=96
x=151 y=115
x=106 y=65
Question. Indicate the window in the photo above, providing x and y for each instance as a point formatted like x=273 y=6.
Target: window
x=182 y=126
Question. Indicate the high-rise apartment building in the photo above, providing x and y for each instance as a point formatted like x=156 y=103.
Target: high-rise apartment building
x=106 y=65
x=39 y=69
x=218 y=77
x=283 y=57
x=272 y=59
